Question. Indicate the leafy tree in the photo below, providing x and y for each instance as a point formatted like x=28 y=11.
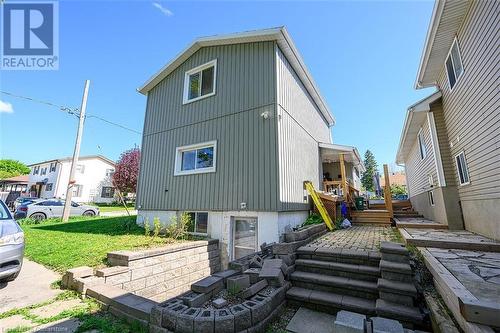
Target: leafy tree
x=127 y=171
x=398 y=189
x=371 y=168
x=12 y=168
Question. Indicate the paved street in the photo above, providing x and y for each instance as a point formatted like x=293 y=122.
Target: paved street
x=31 y=286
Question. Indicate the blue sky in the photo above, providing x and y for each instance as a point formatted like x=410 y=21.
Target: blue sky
x=363 y=55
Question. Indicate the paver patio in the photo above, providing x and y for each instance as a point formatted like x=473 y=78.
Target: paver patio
x=360 y=238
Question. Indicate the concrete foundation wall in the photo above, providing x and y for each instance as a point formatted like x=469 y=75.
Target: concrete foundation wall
x=482 y=217
x=162 y=273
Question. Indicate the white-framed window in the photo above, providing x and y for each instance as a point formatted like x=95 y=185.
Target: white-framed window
x=421 y=144
x=110 y=172
x=200 y=82
x=462 y=169
x=454 y=67
x=197 y=158
x=107 y=192
x=43 y=172
x=199 y=222
x=52 y=167
x=80 y=168
x=48 y=187
x=431 y=198
x=77 y=190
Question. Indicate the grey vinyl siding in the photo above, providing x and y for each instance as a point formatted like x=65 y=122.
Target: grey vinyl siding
x=246 y=157
x=418 y=169
x=471 y=109
x=300 y=127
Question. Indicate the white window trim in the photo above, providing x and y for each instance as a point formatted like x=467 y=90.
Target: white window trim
x=432 y=201
x=422 y=153
x=455 y=41
x=178 y=158
x=200 y=68
x=458 y=170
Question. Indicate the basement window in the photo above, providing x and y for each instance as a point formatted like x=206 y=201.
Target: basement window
x=431 y=198
x=199 y=222
x=199 y=82
x=462 y=169
x=454 y=67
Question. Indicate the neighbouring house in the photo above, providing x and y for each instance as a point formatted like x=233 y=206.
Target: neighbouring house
x=234 y=125
x=395 y=178
x=450 y=140
x=49 y=179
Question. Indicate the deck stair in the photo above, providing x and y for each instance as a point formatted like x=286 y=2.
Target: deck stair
x=371 y=216
x=330 y=280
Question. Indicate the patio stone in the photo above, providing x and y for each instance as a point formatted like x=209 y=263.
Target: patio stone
x=349 y=322
x=57 y=307
x=307 y=320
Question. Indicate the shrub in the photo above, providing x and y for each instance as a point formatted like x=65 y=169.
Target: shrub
x=178 y=229
x=313 y=219
x=157 y=227
x=147 y=228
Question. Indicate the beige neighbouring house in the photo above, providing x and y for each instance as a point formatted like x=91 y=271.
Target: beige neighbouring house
x=450 y=143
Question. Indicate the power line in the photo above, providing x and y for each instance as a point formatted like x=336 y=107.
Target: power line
x=69 y=110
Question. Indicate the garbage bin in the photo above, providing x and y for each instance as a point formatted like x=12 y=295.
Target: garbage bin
x=360 y=203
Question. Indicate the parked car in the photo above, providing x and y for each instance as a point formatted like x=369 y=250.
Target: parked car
x=24 y=200
x=11 y=245
x=48 y=208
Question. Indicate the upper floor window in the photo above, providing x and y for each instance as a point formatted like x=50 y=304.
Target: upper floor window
x=462 y=169
x=198 y=158
x=77 y=190
x=421 y=144
x=36 y=169
x=80 y=168
x=454 y=66
x=199 y=82
x=44 y=171
x=52 y=167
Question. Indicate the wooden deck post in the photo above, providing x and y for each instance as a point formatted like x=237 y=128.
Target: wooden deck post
x=345 y=190
x=387 y=192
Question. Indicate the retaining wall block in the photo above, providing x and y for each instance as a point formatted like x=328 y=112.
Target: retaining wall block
x=242 y=317
x=158 y=329
x=238 y=283
x=223 y=321
x=254 y=274
x=253 y=289
x=169 y=316
x=204 y=322
x=193 y=299
x=185 y=320
x=261 y=308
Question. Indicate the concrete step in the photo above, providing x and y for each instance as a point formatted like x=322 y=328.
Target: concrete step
x=335 y=284
x=396 y=271
x=408 y=314
x=402 y=288
x=330 y=302
x=355 y=271
x=347 y=256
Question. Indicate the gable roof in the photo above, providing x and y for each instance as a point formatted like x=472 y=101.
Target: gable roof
x=69 y=158
x=415 y=115
x=446 y=20
x=284 y=41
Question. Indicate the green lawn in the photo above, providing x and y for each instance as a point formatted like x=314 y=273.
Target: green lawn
x=84 y=241
x=104 y=209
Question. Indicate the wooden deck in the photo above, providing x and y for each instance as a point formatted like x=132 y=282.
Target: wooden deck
x=371 y=216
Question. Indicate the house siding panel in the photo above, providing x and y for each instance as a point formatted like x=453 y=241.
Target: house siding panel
x=246 y=153
x=300 y=127
x=417 y=169
x=471 y=114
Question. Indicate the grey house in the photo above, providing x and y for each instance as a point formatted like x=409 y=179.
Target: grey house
x=233 y=128
x=450 y=141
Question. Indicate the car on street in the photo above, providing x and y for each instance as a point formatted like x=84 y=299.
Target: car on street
x=24 y=200
x=11 y=245
x=49 y=208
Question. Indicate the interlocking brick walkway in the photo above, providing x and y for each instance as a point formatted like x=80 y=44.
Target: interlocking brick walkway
x=362 y=238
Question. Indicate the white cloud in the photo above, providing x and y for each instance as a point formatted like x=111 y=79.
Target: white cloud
x=6 y=107
x=164 y=10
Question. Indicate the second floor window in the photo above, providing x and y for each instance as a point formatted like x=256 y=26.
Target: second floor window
x=44 y=171
x=52 y=167
x=77 y=190
x=200 y=82
x=198 y=158
x=80 y=168
x=462 y=169
x=454 y=67
x=36 y=170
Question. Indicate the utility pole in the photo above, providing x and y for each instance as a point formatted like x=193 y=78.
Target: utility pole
x=76 y=153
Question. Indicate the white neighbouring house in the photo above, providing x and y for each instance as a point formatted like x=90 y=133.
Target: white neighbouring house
x=49 y=179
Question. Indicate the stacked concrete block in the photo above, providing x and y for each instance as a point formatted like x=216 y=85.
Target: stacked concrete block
x=253 y=273
x=242 y=317
x=253 y=289
x=273 y=271
x=209 y=285
x=185 y=320
x=256 y=261
x=236 y=284
x=226 y=274
x=223 y=321
x=204 y=322
x=396 y=287
x=194 y=299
